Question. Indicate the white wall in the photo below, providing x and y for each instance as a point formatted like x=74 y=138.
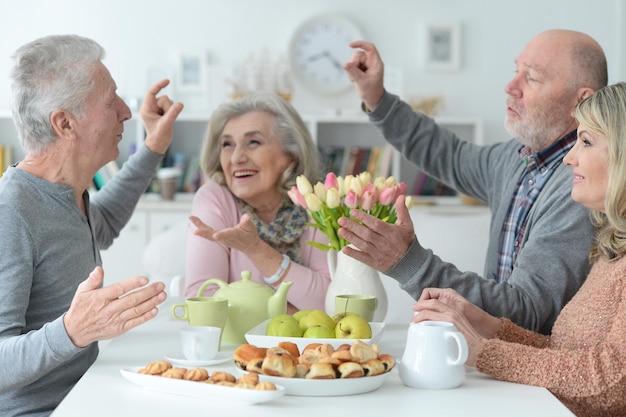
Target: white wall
x=143 y=34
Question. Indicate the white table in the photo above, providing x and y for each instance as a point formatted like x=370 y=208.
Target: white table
x=104 y=392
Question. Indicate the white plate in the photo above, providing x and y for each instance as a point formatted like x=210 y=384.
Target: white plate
x=180 y=359
x=201 y=390
x=325 y=387
x=257 y=337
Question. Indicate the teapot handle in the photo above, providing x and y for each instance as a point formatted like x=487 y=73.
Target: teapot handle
x=463 y=350
x=208 y=282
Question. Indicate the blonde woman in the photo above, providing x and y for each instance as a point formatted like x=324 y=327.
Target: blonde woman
x=583 y=362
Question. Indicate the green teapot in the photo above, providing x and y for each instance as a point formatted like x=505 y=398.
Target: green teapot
x=249 y=304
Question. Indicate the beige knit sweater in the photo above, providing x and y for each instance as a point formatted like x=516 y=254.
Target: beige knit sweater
x=583 y=362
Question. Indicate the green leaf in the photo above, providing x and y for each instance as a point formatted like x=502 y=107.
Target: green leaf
x=319 y=245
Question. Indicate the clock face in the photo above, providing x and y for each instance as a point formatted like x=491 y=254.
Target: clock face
x=318 y=50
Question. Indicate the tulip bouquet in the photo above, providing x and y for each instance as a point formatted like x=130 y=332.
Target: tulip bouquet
x=334 y=198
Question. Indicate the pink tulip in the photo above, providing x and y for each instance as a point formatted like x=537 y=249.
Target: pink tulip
x=297 y=198
x=352 y=199
x=402 y=190
x=387 y=195
x=331 y=181
x=369 y=199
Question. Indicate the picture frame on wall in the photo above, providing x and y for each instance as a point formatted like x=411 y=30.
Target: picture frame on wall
x=191 y=74
x=442 y=49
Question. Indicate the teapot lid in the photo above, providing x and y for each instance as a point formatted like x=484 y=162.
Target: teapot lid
x=246 y=282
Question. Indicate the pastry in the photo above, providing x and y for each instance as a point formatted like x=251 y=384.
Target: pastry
x=245 y=353
x=290 y=347
x=251 y=379
x=301 y=370
x=265 y=386
x=388 y=361
x=362 y=352
x=279 y=365
x=220 y=376
x=343 y=346
x=373 y=367
x=156 y=368
x=342 y=355
x=174 y=373
x=196 y=374
x=278 y=351
x=321 y=371
x=255 y=366
x=350 y=370
x=310 y=346
x=226 y=383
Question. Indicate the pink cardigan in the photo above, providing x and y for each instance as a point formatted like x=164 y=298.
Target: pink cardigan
x=583 y=362
x=216 y=206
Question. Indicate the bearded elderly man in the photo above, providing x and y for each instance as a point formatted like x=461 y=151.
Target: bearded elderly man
x=539 y=238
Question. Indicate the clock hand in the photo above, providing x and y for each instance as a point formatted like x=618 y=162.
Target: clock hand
x=336 y=63
x=329 y=56
x=317 y=56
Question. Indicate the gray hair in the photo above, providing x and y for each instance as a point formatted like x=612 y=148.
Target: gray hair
x=288 y=126
x=50 y=73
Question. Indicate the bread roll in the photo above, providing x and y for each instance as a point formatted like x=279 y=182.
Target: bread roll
x=350 y=370
x=279 y=365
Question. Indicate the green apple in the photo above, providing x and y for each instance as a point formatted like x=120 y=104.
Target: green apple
x=283 y=325
x=353 y=327
x=339 y=316
x=319 y=331
x=299 y=314
x=316 y=317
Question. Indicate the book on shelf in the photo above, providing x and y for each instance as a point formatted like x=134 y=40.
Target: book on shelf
x=352 y=160
x=428 y=186
x=6 y=158
x=105 y=174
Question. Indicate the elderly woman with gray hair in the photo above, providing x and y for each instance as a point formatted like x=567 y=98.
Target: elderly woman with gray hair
x=254 y=149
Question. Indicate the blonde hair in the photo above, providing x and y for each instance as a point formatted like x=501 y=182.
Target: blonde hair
x=604 y=114
x=288 y=126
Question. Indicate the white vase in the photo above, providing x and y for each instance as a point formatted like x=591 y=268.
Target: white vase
x=349 y=276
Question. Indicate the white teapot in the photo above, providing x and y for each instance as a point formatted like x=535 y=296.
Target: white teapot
x=434 y=356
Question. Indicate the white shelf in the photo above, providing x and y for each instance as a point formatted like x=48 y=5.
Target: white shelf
x=353 y=129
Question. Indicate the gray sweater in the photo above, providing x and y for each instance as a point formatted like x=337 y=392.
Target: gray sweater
x=47 y=248
x=552 y=263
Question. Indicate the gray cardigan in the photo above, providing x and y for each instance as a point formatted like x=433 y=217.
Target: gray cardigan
x=47 y=248
x=552 y=263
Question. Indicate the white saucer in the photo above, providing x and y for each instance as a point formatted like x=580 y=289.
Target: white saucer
x=181 y=360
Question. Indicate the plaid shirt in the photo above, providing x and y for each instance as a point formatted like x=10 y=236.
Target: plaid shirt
x=539 y=169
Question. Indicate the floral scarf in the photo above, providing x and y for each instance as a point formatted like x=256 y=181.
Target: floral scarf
x=284 y=233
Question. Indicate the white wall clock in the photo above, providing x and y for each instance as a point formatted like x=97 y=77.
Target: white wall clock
x=318 y=50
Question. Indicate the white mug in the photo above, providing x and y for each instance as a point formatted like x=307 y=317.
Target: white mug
x=434 y=356
x=200 y=343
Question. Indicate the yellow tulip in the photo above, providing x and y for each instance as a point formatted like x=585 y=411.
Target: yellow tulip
x=303 y=184
x=313 y=203
x=357 y=186
x=320 y=191
x=332 y=198
x=366 y=178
